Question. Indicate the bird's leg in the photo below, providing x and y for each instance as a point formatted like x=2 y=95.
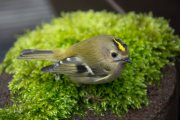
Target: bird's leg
x=95 y=99
x=57 y=77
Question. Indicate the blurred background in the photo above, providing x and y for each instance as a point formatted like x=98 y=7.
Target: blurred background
x=19 y=15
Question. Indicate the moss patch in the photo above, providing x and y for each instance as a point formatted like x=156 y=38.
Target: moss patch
x=151 y=43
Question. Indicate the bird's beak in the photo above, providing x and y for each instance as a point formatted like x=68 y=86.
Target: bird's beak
x=127 y=60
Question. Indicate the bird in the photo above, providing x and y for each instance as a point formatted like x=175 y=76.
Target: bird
x=96 y=60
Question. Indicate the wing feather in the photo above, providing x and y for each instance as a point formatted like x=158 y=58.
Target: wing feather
x=73 y=66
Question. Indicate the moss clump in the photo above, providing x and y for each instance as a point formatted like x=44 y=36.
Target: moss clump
x=40 y=96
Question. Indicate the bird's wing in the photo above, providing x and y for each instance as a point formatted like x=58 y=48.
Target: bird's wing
x=73 y=66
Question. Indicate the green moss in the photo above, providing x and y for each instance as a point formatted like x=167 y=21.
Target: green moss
x=40 y=96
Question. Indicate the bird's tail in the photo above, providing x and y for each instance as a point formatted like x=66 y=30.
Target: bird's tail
x=33 y=54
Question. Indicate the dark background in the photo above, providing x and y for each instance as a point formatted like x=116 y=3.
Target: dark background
x=18 y=15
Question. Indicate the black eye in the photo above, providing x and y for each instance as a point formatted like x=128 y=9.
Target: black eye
x=113 y=54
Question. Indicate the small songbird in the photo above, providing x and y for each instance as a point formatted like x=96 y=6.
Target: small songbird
x=97 y=60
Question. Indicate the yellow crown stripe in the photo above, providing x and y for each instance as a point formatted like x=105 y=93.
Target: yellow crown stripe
x=119 y=44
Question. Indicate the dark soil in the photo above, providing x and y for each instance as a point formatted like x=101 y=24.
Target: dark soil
x=4 y=91
x=162 y=105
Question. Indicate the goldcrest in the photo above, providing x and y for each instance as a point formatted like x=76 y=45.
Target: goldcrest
x=97 y=60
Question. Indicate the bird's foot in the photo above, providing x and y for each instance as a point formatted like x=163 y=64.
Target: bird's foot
x=95 y=99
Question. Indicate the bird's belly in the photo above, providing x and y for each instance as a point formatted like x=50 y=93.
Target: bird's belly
x=98 y=79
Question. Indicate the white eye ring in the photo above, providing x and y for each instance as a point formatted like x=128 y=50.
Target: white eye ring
x=113 y=54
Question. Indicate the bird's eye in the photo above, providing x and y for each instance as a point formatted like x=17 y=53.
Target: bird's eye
x=113 y=54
